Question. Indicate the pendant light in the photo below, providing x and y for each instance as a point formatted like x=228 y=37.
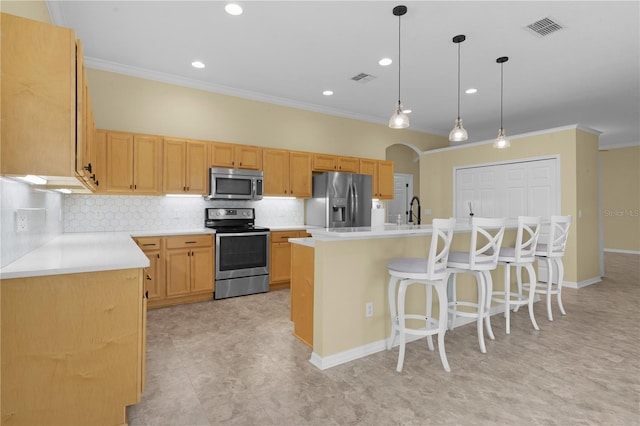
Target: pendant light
x=501 y=141
x=399 y=119
x=458 y=134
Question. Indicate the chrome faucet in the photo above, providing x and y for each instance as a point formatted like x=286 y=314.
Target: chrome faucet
x=411 y=215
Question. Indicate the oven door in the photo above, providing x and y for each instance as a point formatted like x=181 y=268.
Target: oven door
x=242 y=254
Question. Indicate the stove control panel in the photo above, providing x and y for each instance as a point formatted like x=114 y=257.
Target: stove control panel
x=219 y=213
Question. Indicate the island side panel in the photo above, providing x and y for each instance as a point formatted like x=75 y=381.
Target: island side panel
x=71 y=347
x=349 y=274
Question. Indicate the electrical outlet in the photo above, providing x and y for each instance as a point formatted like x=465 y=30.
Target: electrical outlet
x=22 y=222
x=368 y=309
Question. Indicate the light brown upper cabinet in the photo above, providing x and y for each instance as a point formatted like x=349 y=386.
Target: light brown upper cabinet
x=382 y=172
x=335 y=163
x=133 y=163
x=185 y=166
x=287 y=173
x=38 y=103
x=236 y=156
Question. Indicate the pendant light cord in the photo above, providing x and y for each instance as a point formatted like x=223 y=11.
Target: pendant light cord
x=458 y=81
x=399 y=23
x=501 y=91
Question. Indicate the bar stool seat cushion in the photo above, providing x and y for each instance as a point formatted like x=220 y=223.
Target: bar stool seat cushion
x=411 y=265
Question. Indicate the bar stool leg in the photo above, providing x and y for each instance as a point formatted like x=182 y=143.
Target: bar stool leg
x=441 y=289
x=558 y=262
x=488 y=281
x=481 y=302
x=532 y=293
x=549 y=286
x=428 y=297
x=393 y=283
x=507 y=296
x=401 y=326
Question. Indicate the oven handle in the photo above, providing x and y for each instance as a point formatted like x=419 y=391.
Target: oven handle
x=240 y=234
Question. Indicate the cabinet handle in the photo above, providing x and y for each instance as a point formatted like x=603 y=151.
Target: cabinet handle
x=148 y=277
x=158 y=255
x=149 y=244
x=130 y=186
x=190 y=242
x=146 y=294
x=97 y=183
x=187 y=190
x=88 y=167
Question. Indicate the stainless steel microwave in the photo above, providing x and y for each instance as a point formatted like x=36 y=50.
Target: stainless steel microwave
x=235 y=184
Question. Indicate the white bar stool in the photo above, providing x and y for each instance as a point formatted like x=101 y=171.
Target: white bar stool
x=479 y=262
x=552 y=253
x=521 y=255
x=432 y=273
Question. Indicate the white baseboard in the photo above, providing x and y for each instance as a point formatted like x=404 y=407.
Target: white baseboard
x=611 y=250
x=581 y=284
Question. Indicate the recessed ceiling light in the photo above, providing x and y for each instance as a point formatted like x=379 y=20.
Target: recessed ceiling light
x=470 y=91
x=197 y=64
x=327 y=92
x=406 y=111
x=385 y=61
x=233 y=9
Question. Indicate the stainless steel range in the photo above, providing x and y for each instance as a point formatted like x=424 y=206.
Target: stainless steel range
x=242 y=252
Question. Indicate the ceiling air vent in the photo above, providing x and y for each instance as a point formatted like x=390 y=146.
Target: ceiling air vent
x=544 y=27
x=363 y=78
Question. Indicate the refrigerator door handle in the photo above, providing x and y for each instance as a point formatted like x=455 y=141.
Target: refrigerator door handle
x=354 y=200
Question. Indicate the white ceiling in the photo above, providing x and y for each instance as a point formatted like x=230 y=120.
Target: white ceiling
x=288 y=52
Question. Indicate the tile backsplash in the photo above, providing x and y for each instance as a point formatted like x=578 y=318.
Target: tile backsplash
x=41 y=212
x=95 y=213
x=47 y=214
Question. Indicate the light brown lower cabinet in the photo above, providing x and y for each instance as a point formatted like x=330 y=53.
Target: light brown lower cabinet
x=73 y=347
x=280 y=258
x=181 y=268
x=302 y=288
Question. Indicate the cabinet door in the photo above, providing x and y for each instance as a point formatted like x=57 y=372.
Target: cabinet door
x=348 y=164
x=201 y=269
x=385 y=180
x=197 y=168
x=38 y=98
x=300 y=174
x=248 y=157
x=173 y=166
x=370 y=167
x=153 y=280
x=276 y=171
x=178 y=272
x=280 y=270
x=119 y=173
x=324 y=162
x=222 y=155
x=147 y=163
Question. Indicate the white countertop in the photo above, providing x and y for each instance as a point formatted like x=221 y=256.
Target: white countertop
x=88 y=252
x=79 y=252
x=386 y=231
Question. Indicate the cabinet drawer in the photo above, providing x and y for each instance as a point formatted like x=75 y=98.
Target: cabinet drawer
x=283 y=236
x=148 y=243
x=185 y=241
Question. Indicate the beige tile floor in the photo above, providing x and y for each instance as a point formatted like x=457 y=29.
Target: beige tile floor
x=235 y=361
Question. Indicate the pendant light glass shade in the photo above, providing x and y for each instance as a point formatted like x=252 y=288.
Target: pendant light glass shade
x=399 y=119
x=458 y=134
x=501 y=141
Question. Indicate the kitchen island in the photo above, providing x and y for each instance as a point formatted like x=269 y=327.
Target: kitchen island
x=349 y=271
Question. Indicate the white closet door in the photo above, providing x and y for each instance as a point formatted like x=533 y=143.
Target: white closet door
x=530 y=187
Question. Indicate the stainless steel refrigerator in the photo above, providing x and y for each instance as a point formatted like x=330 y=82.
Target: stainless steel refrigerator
x=340 y=200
